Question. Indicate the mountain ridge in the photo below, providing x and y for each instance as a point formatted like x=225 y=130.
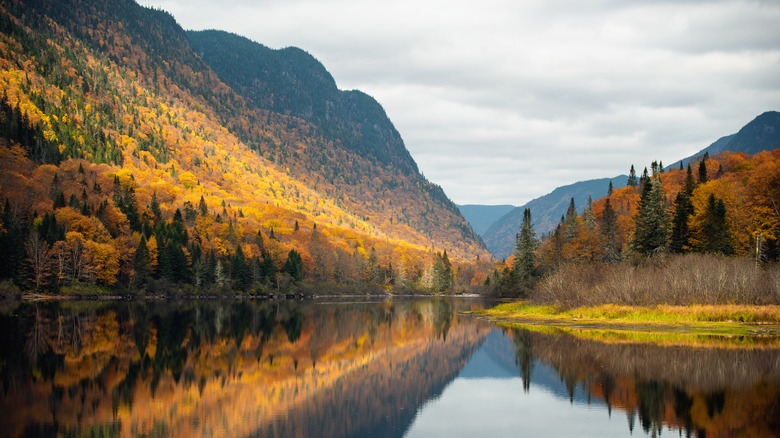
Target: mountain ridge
x=761 y=133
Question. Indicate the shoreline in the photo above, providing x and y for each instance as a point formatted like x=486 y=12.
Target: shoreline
x=717 y=320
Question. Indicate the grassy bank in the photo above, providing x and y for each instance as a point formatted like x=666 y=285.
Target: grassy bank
x=713 y=319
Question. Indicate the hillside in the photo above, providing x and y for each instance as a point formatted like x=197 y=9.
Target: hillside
x=481 y=217
x=546 y=212
x=121 y=143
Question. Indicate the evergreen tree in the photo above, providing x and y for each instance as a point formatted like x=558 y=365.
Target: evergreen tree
x=632 y=181
x=679 y=240
x=609 y=232
x=294 y=265
x=241 y=272
x=525 y=249
x=652 y=220
x=142 y=263
x=570 y=223
x=703 y=170
x=442 y=273
x=202 y=207
x=714 y=236
x=610 y=189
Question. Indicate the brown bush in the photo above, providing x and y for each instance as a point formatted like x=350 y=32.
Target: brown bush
x=675 y=280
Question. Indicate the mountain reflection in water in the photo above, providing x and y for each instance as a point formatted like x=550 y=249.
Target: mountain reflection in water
x=306 y=369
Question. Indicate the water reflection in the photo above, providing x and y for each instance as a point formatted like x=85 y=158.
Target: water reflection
x=694 y=391
x=407 y=368
x=227 y=368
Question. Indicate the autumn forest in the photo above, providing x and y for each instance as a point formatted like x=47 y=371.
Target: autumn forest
x=129 y=163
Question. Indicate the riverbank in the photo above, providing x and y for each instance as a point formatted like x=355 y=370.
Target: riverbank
x=738 y=320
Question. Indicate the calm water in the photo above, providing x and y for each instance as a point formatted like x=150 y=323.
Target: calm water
x=414 y=368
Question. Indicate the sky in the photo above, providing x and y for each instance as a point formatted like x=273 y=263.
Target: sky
x=502 y=101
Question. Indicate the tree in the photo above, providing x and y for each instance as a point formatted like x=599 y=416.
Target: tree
x=525 y=249
x=652 y=220
x=442 y=273
x=679 y=240
x=142 y=263
x=703 y=169
x=632 y=181
x=294 y=265
x=714 y=236
x=609 y=232
x=241 y=273
x=38 y=260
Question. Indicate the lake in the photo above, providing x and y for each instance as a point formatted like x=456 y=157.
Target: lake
x=355 y=368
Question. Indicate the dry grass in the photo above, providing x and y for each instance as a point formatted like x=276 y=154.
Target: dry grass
x=673 y=280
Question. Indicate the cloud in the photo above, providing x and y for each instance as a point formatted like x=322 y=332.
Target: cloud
x=501 y=101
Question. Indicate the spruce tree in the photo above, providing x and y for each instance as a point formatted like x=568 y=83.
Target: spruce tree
x=679 y=240
x=632 y=180
x=609 y=232
x=703 y=170
x=142 y=263
x=652 y=220
x=294 y=265
x=525 y=249
x=241 y=272
x=714 y=236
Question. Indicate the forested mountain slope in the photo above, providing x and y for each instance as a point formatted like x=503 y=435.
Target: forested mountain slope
x=129 y=159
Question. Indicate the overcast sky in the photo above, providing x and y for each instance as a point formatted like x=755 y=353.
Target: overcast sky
x=502 y=101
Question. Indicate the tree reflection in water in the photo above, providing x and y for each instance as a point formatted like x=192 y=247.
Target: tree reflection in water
x=701 y=391
x=227 y=368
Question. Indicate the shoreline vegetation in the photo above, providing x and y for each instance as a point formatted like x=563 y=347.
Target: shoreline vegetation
x=697 y=293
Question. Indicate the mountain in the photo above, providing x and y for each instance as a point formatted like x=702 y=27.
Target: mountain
x=365 y=159
x=546 y=212
x=290 y=81
x=761 y=134
x=481 y=217
x=121 y=140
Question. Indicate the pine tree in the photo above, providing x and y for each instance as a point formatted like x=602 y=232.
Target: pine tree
x=241 y=273
x=202 y=207
x=652 y=220
x=570 y=222
x=294 y=265
x=703 y=170
x=714 y=236
x=610 y=189
x=525 y=249
x=679 y=240
x=142 y=263
x=609 y=232
x=632 y=181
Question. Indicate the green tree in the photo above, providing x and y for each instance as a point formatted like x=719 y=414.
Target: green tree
x=714 y=236
x=632 y=180
x=241 y=273
x=703 y=169
x=142 y=264
x=609 y=232
x=652 y=220
x=525 y=249
x=294 y=265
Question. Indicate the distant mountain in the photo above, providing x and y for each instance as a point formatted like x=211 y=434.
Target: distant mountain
x=761 y=134
x=546 y=212
x=481 y=217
